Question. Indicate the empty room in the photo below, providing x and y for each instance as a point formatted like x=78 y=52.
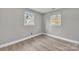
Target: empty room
x=39 y=29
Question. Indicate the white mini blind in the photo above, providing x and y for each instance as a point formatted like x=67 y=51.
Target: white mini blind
x=55 y=20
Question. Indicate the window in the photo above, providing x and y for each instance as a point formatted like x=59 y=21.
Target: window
x=28 y=18
x=55 y=20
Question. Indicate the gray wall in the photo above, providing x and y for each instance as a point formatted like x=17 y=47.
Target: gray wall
x=12 y=24
x=70 y=24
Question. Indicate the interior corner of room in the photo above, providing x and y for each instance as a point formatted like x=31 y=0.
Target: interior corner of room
x=13 y=29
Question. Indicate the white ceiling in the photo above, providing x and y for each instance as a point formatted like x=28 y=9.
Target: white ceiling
x=44 y=10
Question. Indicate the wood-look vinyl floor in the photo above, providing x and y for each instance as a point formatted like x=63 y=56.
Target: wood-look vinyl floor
x=42 y=43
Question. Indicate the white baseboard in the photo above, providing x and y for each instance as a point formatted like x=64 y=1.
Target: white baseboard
x=17 y=41
x=69 y=40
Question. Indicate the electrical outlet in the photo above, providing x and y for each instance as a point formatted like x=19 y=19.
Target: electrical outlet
x=31 y=33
